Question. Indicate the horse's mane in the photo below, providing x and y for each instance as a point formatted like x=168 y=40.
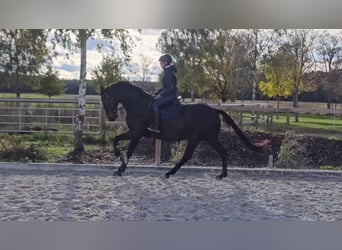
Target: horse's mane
x=125 y=85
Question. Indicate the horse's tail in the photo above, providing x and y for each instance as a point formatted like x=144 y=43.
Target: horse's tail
x=261 y=147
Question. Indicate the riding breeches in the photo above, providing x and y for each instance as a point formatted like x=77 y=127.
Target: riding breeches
x=159 y=102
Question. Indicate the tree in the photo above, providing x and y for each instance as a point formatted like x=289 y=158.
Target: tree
x=108 y=72
x=226 y=61
x=146 y=66
x=299 y=43
x=329 y=53
x=185 y=46
x=77 y=38
x=278 y=77
x=260 y=49
x=51 y=85
x=23 y=53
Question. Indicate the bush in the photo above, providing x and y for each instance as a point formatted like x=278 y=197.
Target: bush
x=12 y=149
x=293 y=152
x=177 y=151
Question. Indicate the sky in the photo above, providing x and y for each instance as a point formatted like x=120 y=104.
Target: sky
x=145 y=46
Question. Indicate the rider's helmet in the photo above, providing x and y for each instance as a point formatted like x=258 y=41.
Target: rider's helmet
x=166 y=58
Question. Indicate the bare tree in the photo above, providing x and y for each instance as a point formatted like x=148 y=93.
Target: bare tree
x=146 y=64
x=300 y=43
x=329 y=53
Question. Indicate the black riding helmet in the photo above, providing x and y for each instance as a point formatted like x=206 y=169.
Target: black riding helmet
x=166 y=58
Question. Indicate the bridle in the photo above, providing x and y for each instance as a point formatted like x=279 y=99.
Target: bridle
x=115 y=110
x=118 y=109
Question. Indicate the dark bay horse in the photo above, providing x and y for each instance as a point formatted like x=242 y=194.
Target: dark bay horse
x=195 y=123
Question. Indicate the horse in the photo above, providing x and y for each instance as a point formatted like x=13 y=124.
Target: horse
x=194 y=123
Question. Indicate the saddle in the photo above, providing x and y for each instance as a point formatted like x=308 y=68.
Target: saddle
x=171 y=110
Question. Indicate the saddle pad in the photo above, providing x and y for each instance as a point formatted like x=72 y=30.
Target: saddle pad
x=170 y=112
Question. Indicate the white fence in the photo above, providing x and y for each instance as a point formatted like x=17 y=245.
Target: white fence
x=58 y=115
x=45 y=115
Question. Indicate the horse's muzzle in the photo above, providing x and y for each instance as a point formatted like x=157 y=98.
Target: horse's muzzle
x=112 y=117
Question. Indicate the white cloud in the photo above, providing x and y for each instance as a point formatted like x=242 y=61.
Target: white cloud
x=145 y=42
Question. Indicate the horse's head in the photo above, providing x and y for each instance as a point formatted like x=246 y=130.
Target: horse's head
x=109 y=103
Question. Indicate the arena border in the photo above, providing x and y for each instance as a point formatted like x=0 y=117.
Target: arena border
x=107 y=168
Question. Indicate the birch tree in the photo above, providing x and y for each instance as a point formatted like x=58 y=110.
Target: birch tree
x=77 y=38
x=262 y=44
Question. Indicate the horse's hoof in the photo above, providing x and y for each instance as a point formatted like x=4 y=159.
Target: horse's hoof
x=166 y=176
x=219 y=177
x=117 y=152
x=117 y=173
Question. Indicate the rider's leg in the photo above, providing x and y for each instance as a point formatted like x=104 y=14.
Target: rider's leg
x=157 y=103
x=155 y=124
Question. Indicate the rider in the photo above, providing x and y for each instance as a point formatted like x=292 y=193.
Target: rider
x=167 y=93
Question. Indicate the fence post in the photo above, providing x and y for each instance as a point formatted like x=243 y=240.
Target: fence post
x=20 y=114
x=157 y=154
x=102 y=123
x=257 y=120
x=287 y=118
x=241 y=118
x=269 y=120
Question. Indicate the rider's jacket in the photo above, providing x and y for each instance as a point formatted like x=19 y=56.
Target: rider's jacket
x=169 y=82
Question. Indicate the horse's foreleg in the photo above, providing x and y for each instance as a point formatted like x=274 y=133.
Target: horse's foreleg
x=189 y=150
x=124 y=136
x=125 y=156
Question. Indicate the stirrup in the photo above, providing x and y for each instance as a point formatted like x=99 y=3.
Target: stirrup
x=153 y=130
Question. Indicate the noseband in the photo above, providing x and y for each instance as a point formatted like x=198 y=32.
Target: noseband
x=118 y=109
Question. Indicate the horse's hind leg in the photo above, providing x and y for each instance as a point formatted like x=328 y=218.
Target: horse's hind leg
x=223 y=153
x=189 y=150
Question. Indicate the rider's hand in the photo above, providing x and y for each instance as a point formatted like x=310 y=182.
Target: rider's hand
x=158 y=92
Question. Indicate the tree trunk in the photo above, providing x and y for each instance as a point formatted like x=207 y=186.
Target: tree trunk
x=295 y=103
x=255 y=64
x=329 y=96
x=79 y=121
x=192 y=94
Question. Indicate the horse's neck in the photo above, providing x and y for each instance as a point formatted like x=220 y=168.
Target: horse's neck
x=133 y=102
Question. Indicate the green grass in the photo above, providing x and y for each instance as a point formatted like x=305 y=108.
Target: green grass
x=34 y=96
x=339 y=168
x=309 y=124
x=41 y=96
x=50 y=147
x=55 y=152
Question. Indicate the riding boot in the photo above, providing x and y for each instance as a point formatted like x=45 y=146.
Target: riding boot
x=155 y=125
